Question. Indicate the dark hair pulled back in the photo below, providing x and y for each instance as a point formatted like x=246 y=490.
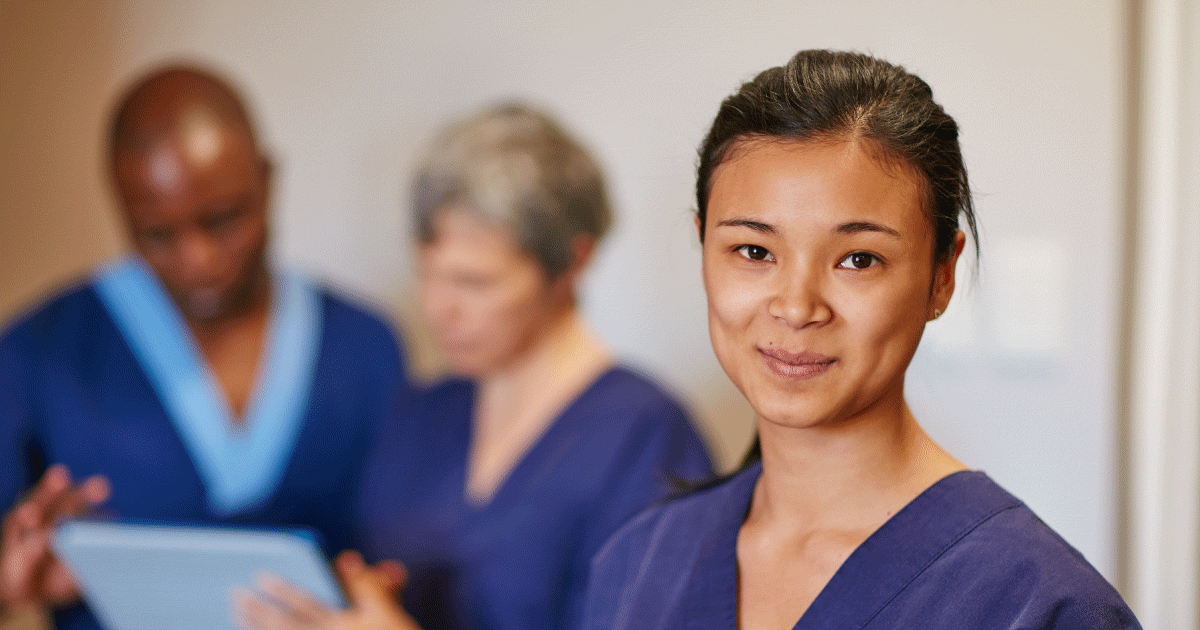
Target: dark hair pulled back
x=824 y=95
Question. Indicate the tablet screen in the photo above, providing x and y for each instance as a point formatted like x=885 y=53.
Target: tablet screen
x=150 y=577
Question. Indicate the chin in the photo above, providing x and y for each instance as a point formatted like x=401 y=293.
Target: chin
x=467 y=366
x=793 y=417
x=784 y=408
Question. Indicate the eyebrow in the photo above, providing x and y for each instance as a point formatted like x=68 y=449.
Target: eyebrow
x=757 y=226
x=855 y=227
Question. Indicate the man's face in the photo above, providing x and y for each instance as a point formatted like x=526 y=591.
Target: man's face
x=196 y=206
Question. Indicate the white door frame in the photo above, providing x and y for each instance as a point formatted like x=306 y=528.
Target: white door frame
x=1162 y=579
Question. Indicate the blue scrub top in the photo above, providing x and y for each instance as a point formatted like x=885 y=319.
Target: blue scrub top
x=963 y=554
x=521 y=560
x=72 y=391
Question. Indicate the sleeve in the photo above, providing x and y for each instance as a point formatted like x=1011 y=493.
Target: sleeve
x=662 y=456
x=609 y=573
x=16 y=422
x=1091 y=615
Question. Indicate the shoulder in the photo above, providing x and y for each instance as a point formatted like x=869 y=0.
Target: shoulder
x=1014 y=562
x=357 y=339
x=423 y=426
x=64 y=314
x=630 y=415
x=671 y=529
x=353 y=317
x=448 y=401
x=623 y=395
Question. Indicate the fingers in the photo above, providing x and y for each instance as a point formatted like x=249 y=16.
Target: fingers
x=57 y=584
x=252 y=613
x=25 y=542
x=21 y=562
x=53 y=483
x=371 y=591
x=27 y=517
x=394 y=573
x=78 y=499
x=54 y=497
x=28 y=570
x=293 y=601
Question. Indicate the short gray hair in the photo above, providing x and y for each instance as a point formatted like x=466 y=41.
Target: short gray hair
x=517 y=168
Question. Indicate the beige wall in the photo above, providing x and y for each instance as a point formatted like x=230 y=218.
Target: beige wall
x=56 y=69
x=56 y=60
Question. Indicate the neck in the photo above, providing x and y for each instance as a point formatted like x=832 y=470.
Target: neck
x=851 y=475
x=564 y=356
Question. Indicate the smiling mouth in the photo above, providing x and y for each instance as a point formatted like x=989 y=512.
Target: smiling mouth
x=796 y=366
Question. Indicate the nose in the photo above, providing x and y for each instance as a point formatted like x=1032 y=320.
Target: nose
x=199 y=258
x=799 y=297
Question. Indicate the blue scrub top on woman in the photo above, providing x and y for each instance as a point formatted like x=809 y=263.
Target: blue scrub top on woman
x=519 y=561
x=964 y=554
x=106 y=379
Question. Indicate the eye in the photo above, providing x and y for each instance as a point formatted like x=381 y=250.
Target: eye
x=157 y=238
x=223 y=220
x=474 y=281
x=858 y=260
x=755 y=252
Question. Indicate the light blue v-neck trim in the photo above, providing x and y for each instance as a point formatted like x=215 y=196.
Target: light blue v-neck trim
x=240 y=466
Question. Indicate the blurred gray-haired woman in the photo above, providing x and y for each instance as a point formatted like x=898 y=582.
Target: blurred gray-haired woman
x=497 y=486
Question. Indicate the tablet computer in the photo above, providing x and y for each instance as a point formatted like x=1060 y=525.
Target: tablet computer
x=151 y=576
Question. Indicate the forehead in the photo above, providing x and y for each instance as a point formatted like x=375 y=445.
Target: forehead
x=816 y=184
x=181 y=171
x=460 y=234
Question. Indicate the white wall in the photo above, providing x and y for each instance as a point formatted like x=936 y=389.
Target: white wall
x=1018 y=379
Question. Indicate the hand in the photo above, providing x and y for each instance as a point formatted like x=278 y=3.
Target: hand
x=30 y=574
x=371 y=590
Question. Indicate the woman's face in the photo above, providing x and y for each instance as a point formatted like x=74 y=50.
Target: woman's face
x=819 y=272
x=485 y=299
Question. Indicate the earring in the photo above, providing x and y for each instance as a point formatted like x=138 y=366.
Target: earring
x=936 y=313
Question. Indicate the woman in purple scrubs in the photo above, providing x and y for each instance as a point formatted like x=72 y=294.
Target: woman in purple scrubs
x=496 y=487
x=829 y=195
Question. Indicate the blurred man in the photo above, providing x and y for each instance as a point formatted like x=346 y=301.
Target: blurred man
x=190 y=381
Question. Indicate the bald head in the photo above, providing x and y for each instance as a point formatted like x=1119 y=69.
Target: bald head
x=171 y=102
x=192 y=183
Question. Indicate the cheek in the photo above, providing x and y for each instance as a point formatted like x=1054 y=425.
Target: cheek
x=166 y=260
x=249 y=238
x=437 y=303
x=502 y=316
x=733 y=304
x=733 y=300
x=888 y=322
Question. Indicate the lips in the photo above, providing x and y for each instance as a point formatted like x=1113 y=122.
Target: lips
x=797 y=366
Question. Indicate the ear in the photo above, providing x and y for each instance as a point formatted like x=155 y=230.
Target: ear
x=696 y=220
x=943 y=279
x=583 y=246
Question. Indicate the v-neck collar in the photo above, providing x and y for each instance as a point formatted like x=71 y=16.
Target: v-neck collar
x=874 y=574
x=535 y=452
x=240 y=468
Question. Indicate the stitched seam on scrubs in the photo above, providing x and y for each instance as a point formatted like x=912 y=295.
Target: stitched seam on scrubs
x=626 y=605
x=950 y=545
